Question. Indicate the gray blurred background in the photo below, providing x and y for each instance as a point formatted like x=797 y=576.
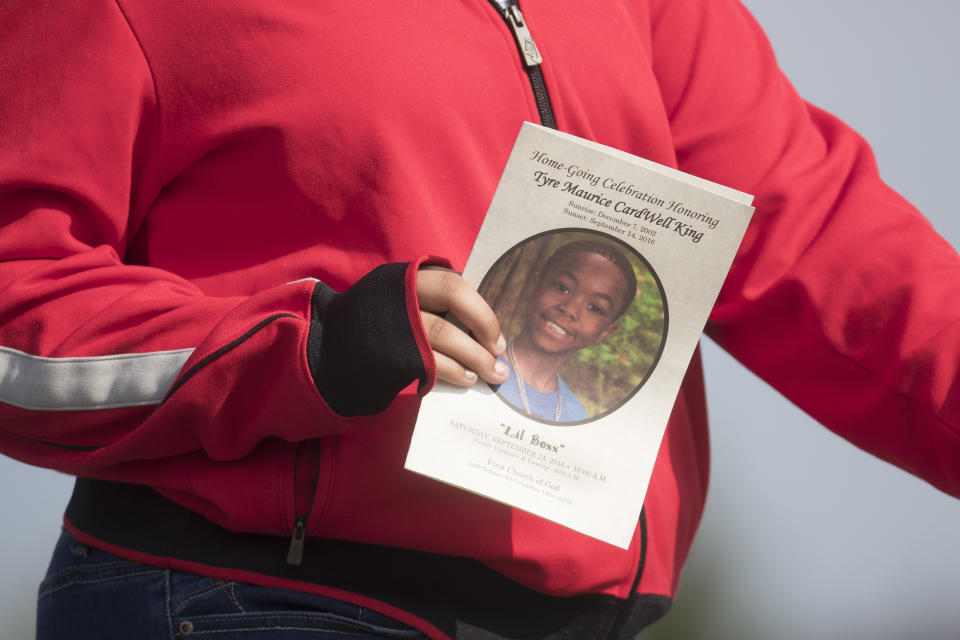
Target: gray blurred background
x=804 y=536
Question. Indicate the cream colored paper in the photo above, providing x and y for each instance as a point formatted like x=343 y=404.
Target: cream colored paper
x=588 y=475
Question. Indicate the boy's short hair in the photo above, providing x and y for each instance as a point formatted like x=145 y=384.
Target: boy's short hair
x=609 y=252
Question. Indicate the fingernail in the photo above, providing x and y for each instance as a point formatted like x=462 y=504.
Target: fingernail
x=470 y=376
x=501 y=344
x=501 y=369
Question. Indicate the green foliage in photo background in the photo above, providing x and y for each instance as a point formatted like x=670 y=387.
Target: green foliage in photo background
x=603 y=375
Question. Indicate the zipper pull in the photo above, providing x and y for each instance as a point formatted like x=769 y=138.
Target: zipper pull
x=295 y=553
x=531 y=56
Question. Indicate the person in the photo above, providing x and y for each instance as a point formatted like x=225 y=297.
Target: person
x=213 y=312
x=583 y=290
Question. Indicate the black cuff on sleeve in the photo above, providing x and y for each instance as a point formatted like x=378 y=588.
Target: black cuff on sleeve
x=361 y=348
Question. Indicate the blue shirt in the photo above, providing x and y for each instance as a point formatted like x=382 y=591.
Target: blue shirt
x=542 y=405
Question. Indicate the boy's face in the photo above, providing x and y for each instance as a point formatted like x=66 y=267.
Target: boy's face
x=575 y=303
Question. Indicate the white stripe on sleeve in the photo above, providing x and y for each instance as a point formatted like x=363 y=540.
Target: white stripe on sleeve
x=89 y=383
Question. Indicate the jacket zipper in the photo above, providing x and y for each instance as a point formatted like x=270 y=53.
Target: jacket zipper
x=305 y=481
x=531 y=60
x=626 y=606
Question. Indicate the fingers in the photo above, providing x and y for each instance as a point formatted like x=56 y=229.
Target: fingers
x=461 y=359
x=442 y=290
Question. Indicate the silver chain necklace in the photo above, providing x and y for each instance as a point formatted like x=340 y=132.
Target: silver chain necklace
x=521 y=385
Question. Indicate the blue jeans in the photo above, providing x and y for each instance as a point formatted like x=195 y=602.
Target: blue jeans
x=89 y=593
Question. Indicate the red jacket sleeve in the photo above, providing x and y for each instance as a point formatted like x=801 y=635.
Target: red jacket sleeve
x=842 y=296
x=104 y=362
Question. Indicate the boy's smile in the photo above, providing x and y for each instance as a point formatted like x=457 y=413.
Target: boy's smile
x=575 y=303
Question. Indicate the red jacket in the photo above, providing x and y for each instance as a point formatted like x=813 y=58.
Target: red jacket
x=170 y=177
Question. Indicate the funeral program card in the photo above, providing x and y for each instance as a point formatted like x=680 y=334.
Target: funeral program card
x=602 y=268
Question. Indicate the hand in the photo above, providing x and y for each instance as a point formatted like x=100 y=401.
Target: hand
x=460 y=358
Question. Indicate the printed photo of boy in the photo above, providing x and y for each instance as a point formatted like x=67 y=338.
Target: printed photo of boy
x=579 y=291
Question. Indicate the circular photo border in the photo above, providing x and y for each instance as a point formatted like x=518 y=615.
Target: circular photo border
x=509 y=284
